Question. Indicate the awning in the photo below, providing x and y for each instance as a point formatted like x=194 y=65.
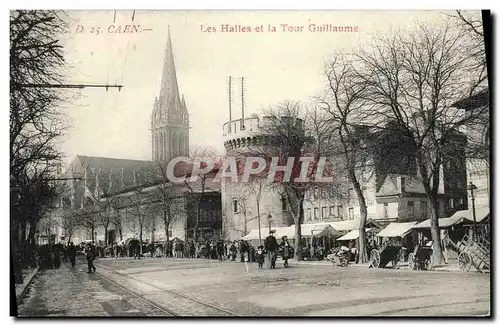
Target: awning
x=264 y=232
x=254 y=234
x=481 y=214
x=288 y=231
x=396 y=230
x=443 y=222
x=353 y=235
x=329 y=232
x=312 y=229
x=345 y=225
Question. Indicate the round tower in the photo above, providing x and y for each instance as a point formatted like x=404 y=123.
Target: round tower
x=243 y=203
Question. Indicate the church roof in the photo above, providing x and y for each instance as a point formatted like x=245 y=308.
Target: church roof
x=169 y=92
x=110 y=172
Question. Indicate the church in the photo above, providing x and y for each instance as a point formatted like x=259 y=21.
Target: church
x=117 y=199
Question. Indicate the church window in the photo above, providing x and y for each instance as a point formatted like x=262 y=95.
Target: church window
x=235 y=205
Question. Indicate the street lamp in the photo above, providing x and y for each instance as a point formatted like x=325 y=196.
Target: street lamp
x=269 y=218
x=473 y=187
x=153 y=235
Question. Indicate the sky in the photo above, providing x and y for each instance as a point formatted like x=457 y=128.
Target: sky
x=277 y=66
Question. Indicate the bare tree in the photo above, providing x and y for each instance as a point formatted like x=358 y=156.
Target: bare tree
x=201 y=156
x=36 y=57
x=167 y=193
x=292 y=135
x=245 y=192
x=89 y=219
x=70 y=223
x=412 y=81
x=142 y=209
x=344 y=106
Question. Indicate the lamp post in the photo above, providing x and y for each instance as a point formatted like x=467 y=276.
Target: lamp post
x=473 y=187
x=269 y=218
x=153 y=235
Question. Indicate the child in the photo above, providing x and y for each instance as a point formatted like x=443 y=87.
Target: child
x=260 y=256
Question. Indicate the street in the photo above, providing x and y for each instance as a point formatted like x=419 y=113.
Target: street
x=198 y=287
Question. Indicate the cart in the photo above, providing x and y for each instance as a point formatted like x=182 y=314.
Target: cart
x=474 y=252
x=392 y=250
x=421 y=258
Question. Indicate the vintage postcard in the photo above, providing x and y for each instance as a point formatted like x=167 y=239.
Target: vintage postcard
x=250 y=163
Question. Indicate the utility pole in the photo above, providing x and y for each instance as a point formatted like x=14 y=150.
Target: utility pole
x=78 y=86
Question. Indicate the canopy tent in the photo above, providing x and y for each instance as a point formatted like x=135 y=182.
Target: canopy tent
x=329 y=232
x=396 y=230
x=348 y=225
x=317 y=229
x=353 y=235
x=310 y=229
x=482 y=214
x=443 y=222
x=264 y=232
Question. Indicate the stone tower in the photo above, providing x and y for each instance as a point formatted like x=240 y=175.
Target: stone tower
x=246 y=206
x=170 y=118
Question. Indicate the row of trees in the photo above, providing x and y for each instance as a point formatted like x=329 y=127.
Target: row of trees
x=152 y=202
x=36 y=58
x=388 y=106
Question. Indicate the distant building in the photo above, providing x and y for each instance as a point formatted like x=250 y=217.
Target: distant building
x=478 y=133
x=99 y=180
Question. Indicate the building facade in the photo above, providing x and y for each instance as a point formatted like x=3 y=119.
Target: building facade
x=245 y=206
x=121 y=192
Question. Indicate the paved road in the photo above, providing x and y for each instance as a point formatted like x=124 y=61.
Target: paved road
x=209 y=288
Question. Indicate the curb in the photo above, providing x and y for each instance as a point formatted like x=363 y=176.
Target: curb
x=24 y=287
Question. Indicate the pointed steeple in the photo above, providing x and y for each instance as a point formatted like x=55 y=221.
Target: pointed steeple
x=169 y=93
x=183 y=102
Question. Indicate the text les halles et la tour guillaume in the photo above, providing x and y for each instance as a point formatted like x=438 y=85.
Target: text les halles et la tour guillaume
x=284 y=28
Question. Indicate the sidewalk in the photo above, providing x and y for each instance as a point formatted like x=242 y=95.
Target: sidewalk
x=28 y=275
x=58 y=292
x=451 y=267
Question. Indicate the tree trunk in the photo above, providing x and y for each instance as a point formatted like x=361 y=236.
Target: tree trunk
x=195 y=230
x=140 y=241
x=363 y=257
x=258 y=216
x=437 y=253
x=106 y=235
x=298 y=230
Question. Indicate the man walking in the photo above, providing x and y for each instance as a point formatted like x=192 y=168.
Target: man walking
x=220 y=249
x=72 y=254
x=271 y=246
x=90 y=259
x=285 y=246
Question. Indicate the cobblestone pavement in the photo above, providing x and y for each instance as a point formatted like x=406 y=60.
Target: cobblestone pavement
x=72 y=292
x=305 y=290
x=302 y=290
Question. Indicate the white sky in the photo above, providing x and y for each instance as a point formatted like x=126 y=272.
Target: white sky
x=276 y=66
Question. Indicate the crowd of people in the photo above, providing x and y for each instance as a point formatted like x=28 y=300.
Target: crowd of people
x=50 y=256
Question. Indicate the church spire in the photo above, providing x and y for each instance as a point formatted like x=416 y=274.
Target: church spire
x=169 y=93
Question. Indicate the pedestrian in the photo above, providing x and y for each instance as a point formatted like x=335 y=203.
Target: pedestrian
x=57 y=257
x=271 y=246
x=285 y=247
x=137 y=251
x=72 y=254
x=90 y=259
x=444 y=244
x=259 y=256
x=220 y=249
